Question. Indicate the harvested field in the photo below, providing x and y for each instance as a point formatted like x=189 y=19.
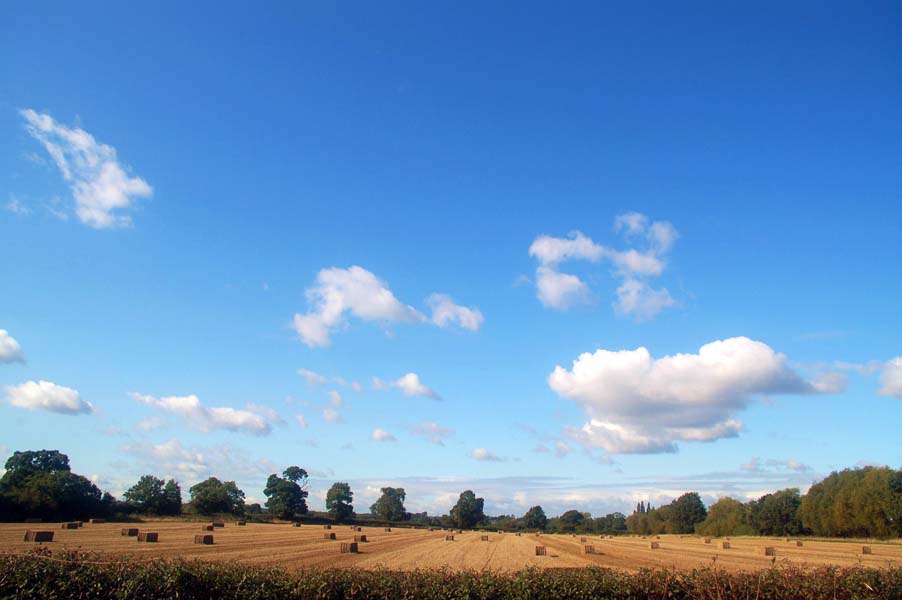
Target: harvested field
x=408 y=549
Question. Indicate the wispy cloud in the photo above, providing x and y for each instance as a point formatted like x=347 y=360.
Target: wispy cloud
x=100 y=185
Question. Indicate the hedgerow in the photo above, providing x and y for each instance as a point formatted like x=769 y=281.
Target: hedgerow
x=47 y=575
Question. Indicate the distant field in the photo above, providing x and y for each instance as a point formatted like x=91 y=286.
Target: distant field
x=407 y=549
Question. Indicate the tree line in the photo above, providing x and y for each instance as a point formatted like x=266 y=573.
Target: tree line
x=862 y=502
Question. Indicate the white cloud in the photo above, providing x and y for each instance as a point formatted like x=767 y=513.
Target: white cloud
x=380 y=435
x=313 y=378
x=44 y=395
x=551 y=250
x=302 y=422
x=891 y=378
x=638 y=404
x=409 y=384
x=756 y=466
x=10 y=350
x=560 y=290
x=635 y=297
x=355 y=291
x=150 y=423
x=330 y=415
x=205 y=418
x=631 y=223
x=445 y=312
x=100 y=185
x=335 y=399
x=485 y=455
x=433 y=432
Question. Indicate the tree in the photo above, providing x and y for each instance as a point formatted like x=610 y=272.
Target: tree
x=725 y=517
x=39 y=483
x=23 y=465
x=214 y=496
x=535 y=518
x=338 y=501
x=390 y=505
x=571 y=521
x=685 y=512
x=147 y=495
x=172 y=496
x=468 y=510
x=287 y=497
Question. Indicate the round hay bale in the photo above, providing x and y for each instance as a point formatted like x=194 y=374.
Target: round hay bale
x=349 y=548
x=328 y=536
x=203 y=539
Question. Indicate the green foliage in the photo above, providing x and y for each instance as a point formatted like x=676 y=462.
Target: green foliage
x=213 y=496
x=43 y=574
x=777 y=513
x=725 y=517
x=685 y=512
x=40 y=484
x=855 y=502
x=390 y=505
x=152 y=496
x=468 y=510
x=535 y=518
x=339 y=500
x=286 y=497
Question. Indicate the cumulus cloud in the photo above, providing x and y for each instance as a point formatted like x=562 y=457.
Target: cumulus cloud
x=100 y=184
x=356 y=292
x=560 y=290
x=10 y=350
x=206 y=418
x=44 y=395
x=433 y=432
x=445 y=312
x=635 y=297
x=485 y=455
x=302 y=422
x=380 y=435
x=335 y=399
x=638 y=404
x=409 y=384
x=562 y=449
x=891 y=378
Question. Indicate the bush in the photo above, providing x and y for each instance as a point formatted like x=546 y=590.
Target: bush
x=44 y=574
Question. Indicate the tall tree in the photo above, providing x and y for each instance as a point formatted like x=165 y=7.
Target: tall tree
x=468 y=510
x=286 y=497
x=172 y=494
x=685 y=512
x=535 y=518
x=148 y=495
x=214 y=496
x=390 y=505
x=339 y=500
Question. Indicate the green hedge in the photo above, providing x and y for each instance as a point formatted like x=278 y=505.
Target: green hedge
x=46 y=575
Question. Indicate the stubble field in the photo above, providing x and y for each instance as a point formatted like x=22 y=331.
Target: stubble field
x=408 y=549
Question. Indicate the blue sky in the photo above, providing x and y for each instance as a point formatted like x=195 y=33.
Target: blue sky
x=398 y=221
